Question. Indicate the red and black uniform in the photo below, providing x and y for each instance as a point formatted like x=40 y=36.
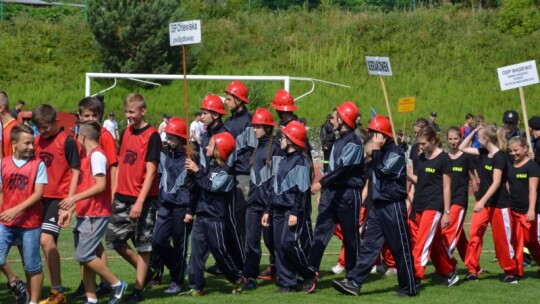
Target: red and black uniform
x=98 y=205
x=18 y=184
x=60 y=154
x=495 y=212
x=525 y=233
x=428 y=208
x=453 y=234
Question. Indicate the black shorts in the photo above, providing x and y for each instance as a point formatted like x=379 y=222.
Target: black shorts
x=50 y=210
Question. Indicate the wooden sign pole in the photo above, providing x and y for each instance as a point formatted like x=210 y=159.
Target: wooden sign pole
x=525 y=117
x=388 y=109
x=186 y=108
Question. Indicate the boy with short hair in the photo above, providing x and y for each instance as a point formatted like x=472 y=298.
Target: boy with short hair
x=92 y=205
x=135 y=198
x=22 y=182
x=60 y=154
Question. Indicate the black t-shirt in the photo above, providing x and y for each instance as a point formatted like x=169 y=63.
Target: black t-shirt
x=460 y=179
x=429 y=186
x=536 y=146
x=518 y=179
x=414 y=157
x=484 y=168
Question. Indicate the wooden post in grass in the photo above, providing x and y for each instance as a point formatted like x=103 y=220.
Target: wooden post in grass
x=518 y=76
x=182 y=33
x=381 y=66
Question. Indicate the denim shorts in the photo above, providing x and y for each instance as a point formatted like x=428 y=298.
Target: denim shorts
x=30 y=242
x=88 y=233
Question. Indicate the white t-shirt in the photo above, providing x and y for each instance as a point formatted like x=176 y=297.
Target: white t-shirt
x=111 y=126
x=194 y=128
x=98 y=163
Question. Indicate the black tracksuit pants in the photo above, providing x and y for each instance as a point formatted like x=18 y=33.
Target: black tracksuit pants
x=253 y=251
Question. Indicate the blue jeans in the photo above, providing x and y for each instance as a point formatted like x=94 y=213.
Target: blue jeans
x=30 y=242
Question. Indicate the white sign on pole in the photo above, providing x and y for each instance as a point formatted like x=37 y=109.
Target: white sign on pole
x=518 y=75
x=379 y=66
x=187 y=32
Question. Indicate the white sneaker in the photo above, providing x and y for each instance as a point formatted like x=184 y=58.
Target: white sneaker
x=337 y=269
x=390 y=272
x=173 y=288
x=377 y=269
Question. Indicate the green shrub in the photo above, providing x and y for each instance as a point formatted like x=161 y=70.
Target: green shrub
x=519 y=17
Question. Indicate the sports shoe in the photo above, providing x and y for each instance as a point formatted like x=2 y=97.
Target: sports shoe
x=103 y=289
x=251 y=284
x=156 y=280
x=452 y=279
x=173 y=288
x=238 y=286
x=78 y=293
x=192 y=293
x=19 y=291
x=392 y=271
x=55 y=297
x=310 y=285
x=471 y=277
x=148 y=279
x=135 y=297
x=117 y=292
x=269 y=273
x=214 y=269
x=345 y=286
x=337 y=269
x=510 y=280
x=377 y=269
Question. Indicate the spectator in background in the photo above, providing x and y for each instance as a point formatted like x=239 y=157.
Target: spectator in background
x=18 y=108
x=467 y=128
x=195 y=132
x=328 y=137
x=161 y=128
x=510 y=124
x=534 y=125
x=7 y=123
x=111 y=125
x=432 y=123
x=359 y=121
x=479 y=122
x=401 y=141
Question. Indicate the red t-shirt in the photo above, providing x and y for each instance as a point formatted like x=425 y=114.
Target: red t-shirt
x=98 y=205
x=132 y=162
x=18 y=184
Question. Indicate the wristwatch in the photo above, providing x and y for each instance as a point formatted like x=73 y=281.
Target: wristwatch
x=447 y=212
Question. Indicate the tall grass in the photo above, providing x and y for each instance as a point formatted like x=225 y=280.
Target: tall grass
x=445 y=57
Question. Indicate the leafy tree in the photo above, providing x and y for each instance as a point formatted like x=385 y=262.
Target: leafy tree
x=133 y=36
x=519 y=17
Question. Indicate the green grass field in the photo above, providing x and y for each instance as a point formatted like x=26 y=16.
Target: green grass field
x=378 y=289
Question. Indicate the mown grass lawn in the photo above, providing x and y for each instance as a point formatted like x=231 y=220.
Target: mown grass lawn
x=378 y=289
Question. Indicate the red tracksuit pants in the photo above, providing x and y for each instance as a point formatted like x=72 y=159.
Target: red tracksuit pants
x=453 y=235
x=524 y=234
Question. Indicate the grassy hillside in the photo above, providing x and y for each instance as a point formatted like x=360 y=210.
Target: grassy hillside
x=447 y=58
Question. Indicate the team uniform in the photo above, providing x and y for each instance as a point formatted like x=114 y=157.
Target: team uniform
x=18 y=179
x=524 y=233
x=428 y=208
x=177 y=198
x=6 y=136
x=217 y=184
x=291 y=186
x=453 y=234
x=496 y=212
x=60 y=154
x=265 y=160
x=137 y=147
x=340 y=199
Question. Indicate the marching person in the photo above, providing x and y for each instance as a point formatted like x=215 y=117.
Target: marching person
x=387 y=220
x=327 y=138
x=288 y=211
x=341 y=189
x=493 y=205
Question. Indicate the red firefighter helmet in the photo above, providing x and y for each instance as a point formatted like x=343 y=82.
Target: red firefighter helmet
x=239 y=90
x=225 y=144
x=296 y=132
x=262 y=116
x=348 y=112
x=283 y=101
x=381 y=124
x=214 y=103
x=177 y=126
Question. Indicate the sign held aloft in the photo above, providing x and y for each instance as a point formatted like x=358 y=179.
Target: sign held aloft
x=518 y=75
x=186 y=32
x=379 y=66
x=406 y=104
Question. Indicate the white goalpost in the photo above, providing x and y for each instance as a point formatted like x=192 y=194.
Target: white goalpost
x=140 y=78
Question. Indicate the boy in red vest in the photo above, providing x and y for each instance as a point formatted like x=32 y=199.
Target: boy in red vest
x=60 y=154
x=23 y=178
x=135 y=199
x=92 y=205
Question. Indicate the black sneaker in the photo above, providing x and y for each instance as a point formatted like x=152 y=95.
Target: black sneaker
x=251 y=284
x=134 y=297
x=214 y=269
x=451 y=280
x=510 y=280
x=310 y=285
x=345 y=286
x=471 y=277
x=103 y=289
x=19 y=291
x=149 y=276
x=79 y=293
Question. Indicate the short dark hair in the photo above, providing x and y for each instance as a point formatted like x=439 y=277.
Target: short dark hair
x=18 y=129
x=90 y=103
x=20 y=102
x=91 y=129
x=469 y=116
x=44 y=114
x=421 y=122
